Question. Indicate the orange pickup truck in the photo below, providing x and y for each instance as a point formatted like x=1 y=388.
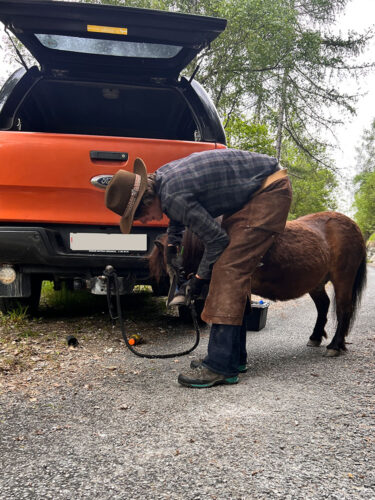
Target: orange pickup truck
x=107 y=90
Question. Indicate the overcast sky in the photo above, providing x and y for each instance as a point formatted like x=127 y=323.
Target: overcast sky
x=359 y=15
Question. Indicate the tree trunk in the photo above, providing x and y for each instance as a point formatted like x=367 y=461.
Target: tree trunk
x=281 y=116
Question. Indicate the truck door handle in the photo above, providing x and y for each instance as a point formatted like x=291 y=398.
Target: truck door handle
x=108 y=155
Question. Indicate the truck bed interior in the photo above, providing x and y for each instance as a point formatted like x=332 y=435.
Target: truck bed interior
x=102 y=109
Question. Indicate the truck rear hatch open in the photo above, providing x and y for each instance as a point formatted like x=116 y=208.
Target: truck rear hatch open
x=86 y=38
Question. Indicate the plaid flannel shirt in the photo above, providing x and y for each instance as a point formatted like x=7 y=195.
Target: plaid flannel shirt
x=197 y=189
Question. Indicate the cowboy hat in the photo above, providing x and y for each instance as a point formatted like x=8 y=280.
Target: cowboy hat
x=124 y=193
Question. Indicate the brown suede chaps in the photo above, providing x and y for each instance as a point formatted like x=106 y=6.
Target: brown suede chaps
x=251 y=231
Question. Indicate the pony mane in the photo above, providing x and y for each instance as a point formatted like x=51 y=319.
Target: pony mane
x=156 y=259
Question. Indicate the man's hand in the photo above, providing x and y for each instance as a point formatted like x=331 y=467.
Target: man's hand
x=191 y=289
x=195 y=286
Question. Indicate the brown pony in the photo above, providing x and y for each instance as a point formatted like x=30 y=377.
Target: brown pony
x=313 y=250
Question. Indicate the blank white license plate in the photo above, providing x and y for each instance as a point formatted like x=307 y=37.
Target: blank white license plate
x=96 y=242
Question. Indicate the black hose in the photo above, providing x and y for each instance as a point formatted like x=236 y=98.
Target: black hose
x=112 y=278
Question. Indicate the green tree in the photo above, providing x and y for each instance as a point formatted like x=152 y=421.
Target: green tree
x=365 y=203
x=364 y=199
x=365 y=158
x=278 y=59
x=313 y=185
x=249 y=135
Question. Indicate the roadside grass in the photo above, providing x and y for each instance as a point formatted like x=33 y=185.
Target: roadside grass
x=15 y=317
x=68 y=302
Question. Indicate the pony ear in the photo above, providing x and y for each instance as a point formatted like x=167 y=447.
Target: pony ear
x=159 y=244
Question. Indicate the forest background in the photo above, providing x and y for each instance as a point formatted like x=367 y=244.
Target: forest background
x=286 y=77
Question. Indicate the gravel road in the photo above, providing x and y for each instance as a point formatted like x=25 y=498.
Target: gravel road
x=107 y=425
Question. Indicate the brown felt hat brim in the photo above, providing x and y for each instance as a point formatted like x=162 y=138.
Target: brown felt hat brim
x=126 y=222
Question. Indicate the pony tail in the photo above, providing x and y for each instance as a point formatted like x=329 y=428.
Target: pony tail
x=359 y=285
x=156 y=261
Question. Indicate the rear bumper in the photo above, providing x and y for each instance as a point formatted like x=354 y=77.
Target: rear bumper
x=46 y=251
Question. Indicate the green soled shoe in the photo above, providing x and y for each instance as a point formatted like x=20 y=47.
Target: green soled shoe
x=197 y=362
x=201 y=378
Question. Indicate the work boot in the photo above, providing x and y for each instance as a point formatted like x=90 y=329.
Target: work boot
x=201 y=377
x=197 y=362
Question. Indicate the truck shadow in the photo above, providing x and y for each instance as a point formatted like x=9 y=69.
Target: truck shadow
x=138 y=306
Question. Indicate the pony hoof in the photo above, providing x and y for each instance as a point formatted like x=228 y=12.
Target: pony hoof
x=314 y=343
x=332 y=353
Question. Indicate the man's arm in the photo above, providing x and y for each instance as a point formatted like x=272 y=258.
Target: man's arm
x=175 y=232
x=200 y=222
x=213 y=250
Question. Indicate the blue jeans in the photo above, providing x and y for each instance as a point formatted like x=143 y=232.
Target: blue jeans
x=226 y=349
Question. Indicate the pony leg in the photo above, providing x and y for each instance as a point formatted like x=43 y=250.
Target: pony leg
x=321 y=301
x=349 y=281
x=344 y=312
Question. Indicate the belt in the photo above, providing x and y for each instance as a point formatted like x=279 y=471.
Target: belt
x=279 y=174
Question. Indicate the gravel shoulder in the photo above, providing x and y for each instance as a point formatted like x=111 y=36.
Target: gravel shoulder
x=98 y=422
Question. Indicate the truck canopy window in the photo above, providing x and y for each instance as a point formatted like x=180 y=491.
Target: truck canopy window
x=120 y=48
x=93 y=109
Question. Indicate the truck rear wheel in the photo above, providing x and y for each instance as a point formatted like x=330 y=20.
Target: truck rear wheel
x=8 y=304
